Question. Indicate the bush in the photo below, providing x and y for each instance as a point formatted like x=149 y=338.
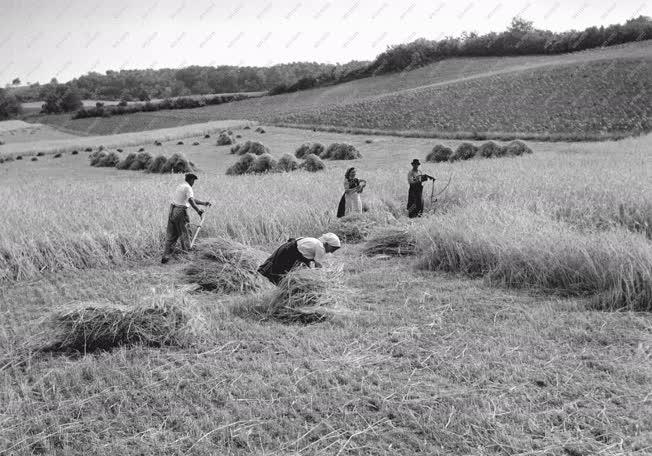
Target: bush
x=57 y=155
x=517 y=148
x=312 y=164
x=90 y=326
x=225 y=139
x=179 y=143
x=287 y=163
x=142 y=161
x=157 y=164
x=249 y=147
x=489 y=149
x=19 y=157
x=74 y=152
x=262 y=164
x=341 y=151
x=88 y=149
x=465 y=151
x=34 y=159
x=177 y=163
x=206 y=136
x=439 y=153
x=126 y=162
x=242 y=165
x=309 y=148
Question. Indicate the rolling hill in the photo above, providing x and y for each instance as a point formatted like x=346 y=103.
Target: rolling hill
x=600 y=92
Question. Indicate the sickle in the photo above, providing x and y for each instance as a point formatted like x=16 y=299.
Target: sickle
x=445 y=186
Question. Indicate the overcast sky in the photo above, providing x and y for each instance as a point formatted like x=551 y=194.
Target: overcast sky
x=41 y=39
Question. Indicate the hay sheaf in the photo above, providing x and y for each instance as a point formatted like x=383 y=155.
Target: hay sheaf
x=287 y=163
x=490 y=149
x=142 y=161
x=395 y=241
x=340 y=151
x=309 y=148
x=178 y=163
x=156 y=165
x=250 y=147
x=103 y=325
x=517 y=148
x=226 y=266
x=307 y=296
x=312 y=163
x=225 y=139
x=464 y=151
x=439 y=153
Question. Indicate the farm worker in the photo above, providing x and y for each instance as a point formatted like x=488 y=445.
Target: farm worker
x=296 y=252
x=353 y=187
x=415 y=194
x=178 y=219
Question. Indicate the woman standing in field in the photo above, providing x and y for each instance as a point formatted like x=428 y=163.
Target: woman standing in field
x=351 y=201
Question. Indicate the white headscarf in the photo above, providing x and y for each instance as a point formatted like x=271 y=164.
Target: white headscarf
x=330 y=239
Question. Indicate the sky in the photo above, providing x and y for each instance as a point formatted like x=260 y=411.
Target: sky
x=42 y=39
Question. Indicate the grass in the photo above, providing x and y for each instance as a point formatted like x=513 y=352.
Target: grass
x=451 y=99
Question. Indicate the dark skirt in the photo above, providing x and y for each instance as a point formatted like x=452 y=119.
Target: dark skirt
x=415 y=200
x=341 y=208
x=282 y=261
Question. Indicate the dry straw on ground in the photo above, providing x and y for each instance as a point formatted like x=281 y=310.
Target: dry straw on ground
x=307 y=296
x=168 y=319
x=396 y=241
x=356 y=227
x=226 y=266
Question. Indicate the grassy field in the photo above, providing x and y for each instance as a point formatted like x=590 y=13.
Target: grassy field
x=450 y=96
x=506 y=351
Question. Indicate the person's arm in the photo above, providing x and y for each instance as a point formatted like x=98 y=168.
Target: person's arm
x=195 y=207
x=201 y=203
x=347 y=188
x=361 y=185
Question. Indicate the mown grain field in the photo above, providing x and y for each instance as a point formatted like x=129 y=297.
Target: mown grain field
x=473 y=356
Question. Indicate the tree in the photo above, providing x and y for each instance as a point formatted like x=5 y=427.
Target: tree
x=520 y=25
x=16 y=81
x=71 y=101
x=9 y=105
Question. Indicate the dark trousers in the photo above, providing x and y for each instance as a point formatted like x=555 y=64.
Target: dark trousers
x=282 y=261
x=177 y=229
x=415 y=200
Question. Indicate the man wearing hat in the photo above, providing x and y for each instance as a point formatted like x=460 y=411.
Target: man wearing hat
x=298 y=251
x=415 y=194
x=178 y=219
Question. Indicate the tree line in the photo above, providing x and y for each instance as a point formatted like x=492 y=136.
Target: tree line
x=521 y=38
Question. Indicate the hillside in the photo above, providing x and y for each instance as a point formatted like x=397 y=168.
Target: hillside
x=591 y=92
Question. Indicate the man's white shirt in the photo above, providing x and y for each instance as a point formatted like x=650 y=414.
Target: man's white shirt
x=182 y=194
